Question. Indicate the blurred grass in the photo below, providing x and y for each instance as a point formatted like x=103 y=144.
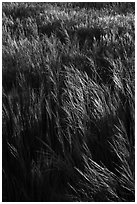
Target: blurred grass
x=68 y=102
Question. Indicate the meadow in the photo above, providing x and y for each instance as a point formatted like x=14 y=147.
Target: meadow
x=68 y=102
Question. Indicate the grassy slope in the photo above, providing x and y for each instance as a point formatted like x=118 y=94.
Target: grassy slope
x=68 y=103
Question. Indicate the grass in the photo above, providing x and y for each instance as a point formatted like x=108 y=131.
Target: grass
x=68 y=102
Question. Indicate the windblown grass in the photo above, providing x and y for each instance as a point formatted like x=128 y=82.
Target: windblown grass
x=68 y=102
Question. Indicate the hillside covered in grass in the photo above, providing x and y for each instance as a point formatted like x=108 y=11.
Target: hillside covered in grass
x=68 y=102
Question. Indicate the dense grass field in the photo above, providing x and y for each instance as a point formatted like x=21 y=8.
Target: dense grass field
x=68 y=102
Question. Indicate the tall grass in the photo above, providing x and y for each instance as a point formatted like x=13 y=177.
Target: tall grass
x=68 y=103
